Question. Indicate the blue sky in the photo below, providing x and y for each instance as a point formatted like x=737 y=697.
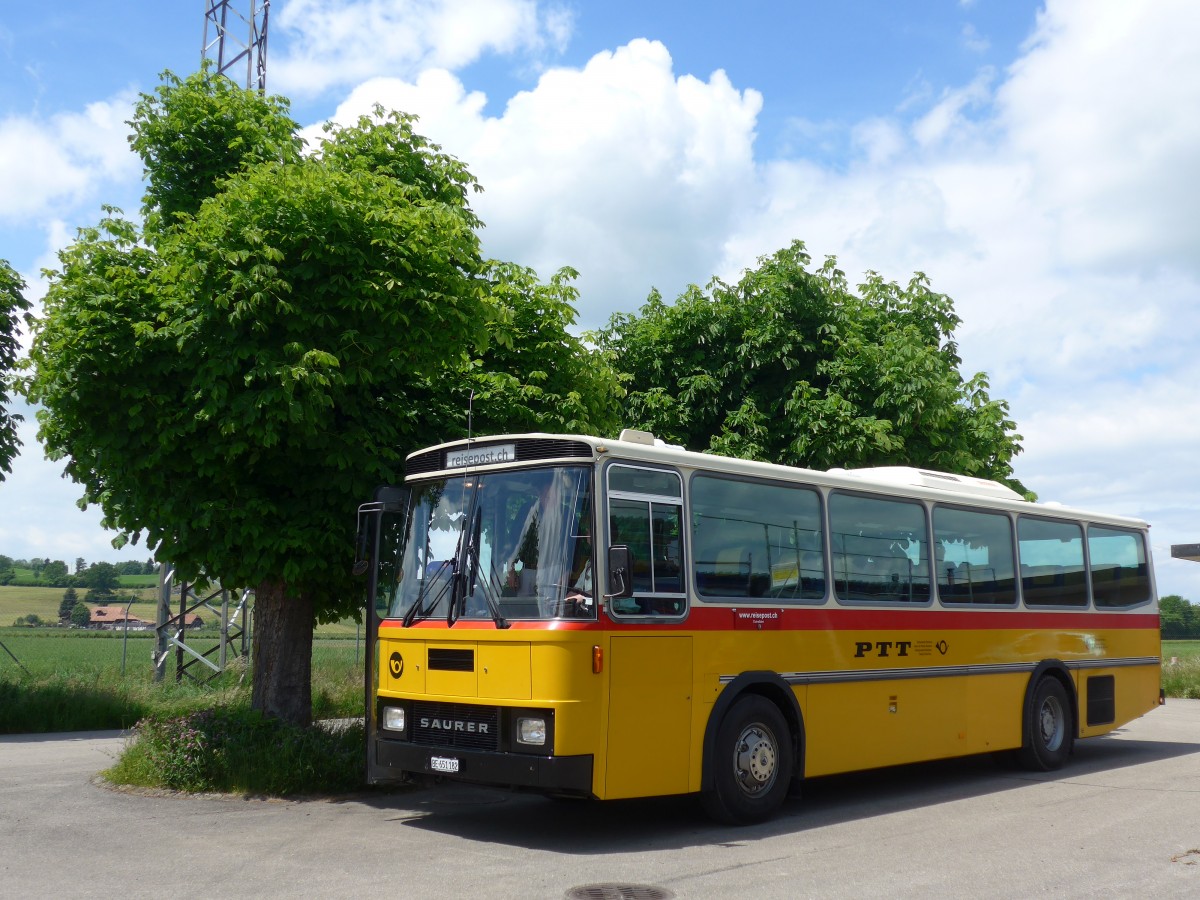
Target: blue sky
x=1040 y=161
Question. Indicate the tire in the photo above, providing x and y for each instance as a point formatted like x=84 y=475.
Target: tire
x=751 y=765
x=1049 y=728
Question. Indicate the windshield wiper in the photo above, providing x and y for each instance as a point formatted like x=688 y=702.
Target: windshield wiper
x=484 y=584
x=468 y=577
x=418 y=610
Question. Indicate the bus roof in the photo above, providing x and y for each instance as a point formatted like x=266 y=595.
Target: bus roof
x=906 y=481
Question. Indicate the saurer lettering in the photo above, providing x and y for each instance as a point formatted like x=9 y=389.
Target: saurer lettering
x=454 y=725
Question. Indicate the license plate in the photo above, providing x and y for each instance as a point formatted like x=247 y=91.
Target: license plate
x=443 y=763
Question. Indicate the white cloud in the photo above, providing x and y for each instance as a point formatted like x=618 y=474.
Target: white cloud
x=1057 y=207
x=973 y=40
x=878 y=140
x=40 y=513
x=343 y=42
x=622 y=169
x=1105 y=104
x=1063 y=252
x=60 y=161
x=946 y=122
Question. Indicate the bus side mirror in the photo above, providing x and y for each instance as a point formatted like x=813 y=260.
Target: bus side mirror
x=362 y=545
x=620 y=568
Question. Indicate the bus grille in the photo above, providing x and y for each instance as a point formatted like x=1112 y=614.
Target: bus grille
x=456 y=725
x=451 y=660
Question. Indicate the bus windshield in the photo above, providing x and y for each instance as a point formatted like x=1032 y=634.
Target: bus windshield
x=496 y=546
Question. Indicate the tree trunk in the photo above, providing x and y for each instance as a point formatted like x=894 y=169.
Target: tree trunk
x=283 y=635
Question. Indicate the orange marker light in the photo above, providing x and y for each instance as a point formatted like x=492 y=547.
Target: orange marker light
x=597 y=659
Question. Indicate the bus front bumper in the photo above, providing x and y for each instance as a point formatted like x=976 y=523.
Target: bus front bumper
x=552 y=774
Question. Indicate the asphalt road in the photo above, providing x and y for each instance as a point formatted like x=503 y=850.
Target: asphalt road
x=1122 y=820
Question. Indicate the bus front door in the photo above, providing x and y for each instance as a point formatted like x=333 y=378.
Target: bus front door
x=649 y=716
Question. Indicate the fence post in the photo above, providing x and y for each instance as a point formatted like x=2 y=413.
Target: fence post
x=166 y=576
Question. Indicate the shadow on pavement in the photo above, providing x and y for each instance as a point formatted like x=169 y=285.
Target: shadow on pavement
x=622 y=826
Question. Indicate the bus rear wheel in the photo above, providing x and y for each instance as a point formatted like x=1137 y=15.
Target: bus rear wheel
x=1049 y=730
x=752 y=763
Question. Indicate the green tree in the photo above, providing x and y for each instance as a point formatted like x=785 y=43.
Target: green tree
x=6 y=569
x=102 y=577
x=192 y=134
x=1178 y=618
x=70 y=598
x=533 y=375
x=283 y=331
x=790 y=366
x=81 y=614
x=80 y=565
x=55 y=572
x=14 y=309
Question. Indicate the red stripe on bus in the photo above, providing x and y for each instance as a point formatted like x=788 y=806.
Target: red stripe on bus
x=834 y=619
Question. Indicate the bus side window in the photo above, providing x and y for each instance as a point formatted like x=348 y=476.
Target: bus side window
x=756 y=539
x=651 y=526
x=1051 y=554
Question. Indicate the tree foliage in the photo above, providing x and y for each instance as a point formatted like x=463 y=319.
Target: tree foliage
x=54 y=572
x=69 y=599
x=1178 y=618
x=14 y=309
x=283 y=331
x=534 y=374
x=101 y=577
x=193 y=134
x=789 y=365
x=81 y=614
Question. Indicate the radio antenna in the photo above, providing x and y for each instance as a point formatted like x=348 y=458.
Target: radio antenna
x=470 y=414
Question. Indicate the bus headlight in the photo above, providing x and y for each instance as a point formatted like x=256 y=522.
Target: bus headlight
x=531 y=731
x=394 y=718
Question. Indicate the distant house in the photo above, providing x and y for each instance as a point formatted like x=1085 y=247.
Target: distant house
x=112 y=618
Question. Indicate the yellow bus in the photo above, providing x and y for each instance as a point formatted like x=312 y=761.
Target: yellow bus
x=623 y=618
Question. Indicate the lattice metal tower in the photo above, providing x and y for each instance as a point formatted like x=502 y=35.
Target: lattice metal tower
x=235 y=35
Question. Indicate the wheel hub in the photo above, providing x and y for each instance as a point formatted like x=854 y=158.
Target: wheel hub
x=756 y=759
x=1051 y=724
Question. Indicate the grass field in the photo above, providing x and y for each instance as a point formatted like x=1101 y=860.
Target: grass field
x=1184 y=650
x=71 y=680
x=139 y=581
x=46 y=652
x=17 y=602
x=1181 y=669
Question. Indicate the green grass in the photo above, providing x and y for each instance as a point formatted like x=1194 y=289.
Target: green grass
x=139 y=581
x=21 y=601
x=18 y=601
x=70 y=680
x=1184 y=650
x=1181 y=669
x=233 y=749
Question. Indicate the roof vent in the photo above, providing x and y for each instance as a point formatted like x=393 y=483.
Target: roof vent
x=946 y=481
x=633 y=436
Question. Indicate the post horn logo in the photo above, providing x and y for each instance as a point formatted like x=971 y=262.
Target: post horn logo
x=396 y=665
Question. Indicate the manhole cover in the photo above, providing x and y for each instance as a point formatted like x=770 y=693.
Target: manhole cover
x=614 y=891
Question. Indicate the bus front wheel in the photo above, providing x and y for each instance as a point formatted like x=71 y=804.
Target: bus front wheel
x=1049 y=730
x=752 y=763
